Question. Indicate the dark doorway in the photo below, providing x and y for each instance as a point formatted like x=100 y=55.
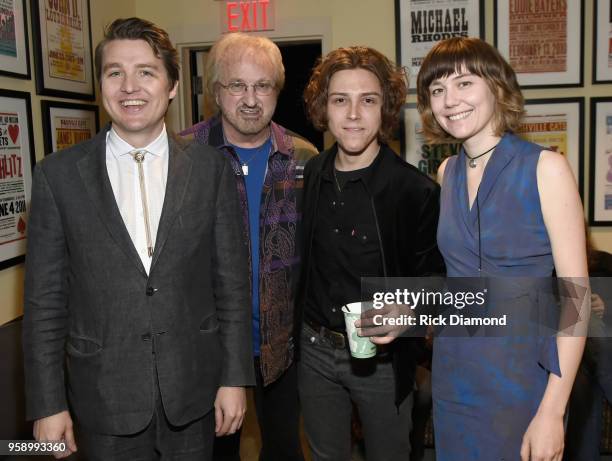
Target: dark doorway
x=299 y=58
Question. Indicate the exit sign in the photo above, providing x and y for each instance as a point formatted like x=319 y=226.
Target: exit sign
x=247 y=15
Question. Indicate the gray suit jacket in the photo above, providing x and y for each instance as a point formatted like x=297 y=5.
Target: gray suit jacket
x=96 y=328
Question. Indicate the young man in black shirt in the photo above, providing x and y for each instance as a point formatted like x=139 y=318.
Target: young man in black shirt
x=367 y=213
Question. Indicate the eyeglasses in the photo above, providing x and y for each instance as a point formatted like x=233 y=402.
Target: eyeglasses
x=238 y=88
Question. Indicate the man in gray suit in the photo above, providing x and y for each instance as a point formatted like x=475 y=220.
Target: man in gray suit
x=137 y=309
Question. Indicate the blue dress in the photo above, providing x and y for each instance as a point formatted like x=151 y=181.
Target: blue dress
x=486 y=390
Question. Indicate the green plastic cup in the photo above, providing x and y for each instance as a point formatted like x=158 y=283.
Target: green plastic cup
x=361 y=347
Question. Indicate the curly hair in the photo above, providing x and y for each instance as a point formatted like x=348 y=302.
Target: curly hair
x=479 y=58
x=392 y=81
x=141 y=29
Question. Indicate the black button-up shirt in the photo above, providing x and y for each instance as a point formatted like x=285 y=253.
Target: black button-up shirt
x=345 y=246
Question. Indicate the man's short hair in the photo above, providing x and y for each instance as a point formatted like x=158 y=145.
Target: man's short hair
x=141 y=29
x=236 y=46
x=479 y=58
x=392 y=80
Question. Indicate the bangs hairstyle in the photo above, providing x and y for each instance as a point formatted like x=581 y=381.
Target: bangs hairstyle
x=479 y=58
x=141 y=29
x=234 y=47
x=392 y=80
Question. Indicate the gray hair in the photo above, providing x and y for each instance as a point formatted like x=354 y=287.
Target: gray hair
x=236 y=46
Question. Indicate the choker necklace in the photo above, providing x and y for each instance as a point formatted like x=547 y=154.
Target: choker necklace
x=472 y=162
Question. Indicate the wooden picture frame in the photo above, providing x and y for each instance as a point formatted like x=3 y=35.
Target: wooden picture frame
x=66 y=124
x=544 y=47
x=600 y=168
x=413 y=37
x=426 y=157
x=14 y=50
x=558 y=125
x=602 y=42
x=62 y=49
x=17 y=161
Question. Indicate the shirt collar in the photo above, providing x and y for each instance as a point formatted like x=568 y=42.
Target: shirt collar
x=119 y=147
x=328 y=168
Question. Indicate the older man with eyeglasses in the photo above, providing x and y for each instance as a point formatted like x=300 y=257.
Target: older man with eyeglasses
x=244 y=75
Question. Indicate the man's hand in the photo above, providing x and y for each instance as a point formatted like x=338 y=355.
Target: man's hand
x=230 y=407
x=388 y=331
x=56 y=428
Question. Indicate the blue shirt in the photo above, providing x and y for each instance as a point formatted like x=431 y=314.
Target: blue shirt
x=256 y=161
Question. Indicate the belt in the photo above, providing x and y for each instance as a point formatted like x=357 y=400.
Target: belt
x=335 y=338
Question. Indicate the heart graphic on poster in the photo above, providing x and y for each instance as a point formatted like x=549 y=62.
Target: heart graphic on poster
x=21 y=226
x=13 y=131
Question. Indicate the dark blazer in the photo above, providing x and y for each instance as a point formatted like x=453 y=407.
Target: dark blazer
x=96 y=327
x=406 y=206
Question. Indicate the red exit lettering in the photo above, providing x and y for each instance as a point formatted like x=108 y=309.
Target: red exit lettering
x=248 y=15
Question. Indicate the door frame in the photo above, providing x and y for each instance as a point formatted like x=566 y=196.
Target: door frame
x=204 y=35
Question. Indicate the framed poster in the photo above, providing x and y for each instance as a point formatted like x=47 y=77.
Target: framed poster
x=542 y=41
x=420 y=24
x=16 y=163
x=558 y=125
x=66 y=124
x=600 y=168
x=62 y=48
x=602 y=41
x=426 y=157
x=14 y=53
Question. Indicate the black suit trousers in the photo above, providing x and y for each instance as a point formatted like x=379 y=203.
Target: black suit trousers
x=160 y=440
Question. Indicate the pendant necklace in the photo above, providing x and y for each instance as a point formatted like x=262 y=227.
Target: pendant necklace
x=472 y=162
x=245 y=165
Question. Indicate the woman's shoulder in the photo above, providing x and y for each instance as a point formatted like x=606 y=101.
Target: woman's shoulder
x=552 y=163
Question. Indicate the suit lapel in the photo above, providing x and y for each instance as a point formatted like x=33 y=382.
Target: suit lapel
x=92 y=168
x=179 y=172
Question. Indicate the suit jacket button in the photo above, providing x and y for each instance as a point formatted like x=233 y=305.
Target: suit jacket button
x=151 y=291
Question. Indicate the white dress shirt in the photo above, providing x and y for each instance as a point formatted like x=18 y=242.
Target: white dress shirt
x=123 y=174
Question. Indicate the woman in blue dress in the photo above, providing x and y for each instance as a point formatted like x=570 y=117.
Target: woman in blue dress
x=509 y=208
